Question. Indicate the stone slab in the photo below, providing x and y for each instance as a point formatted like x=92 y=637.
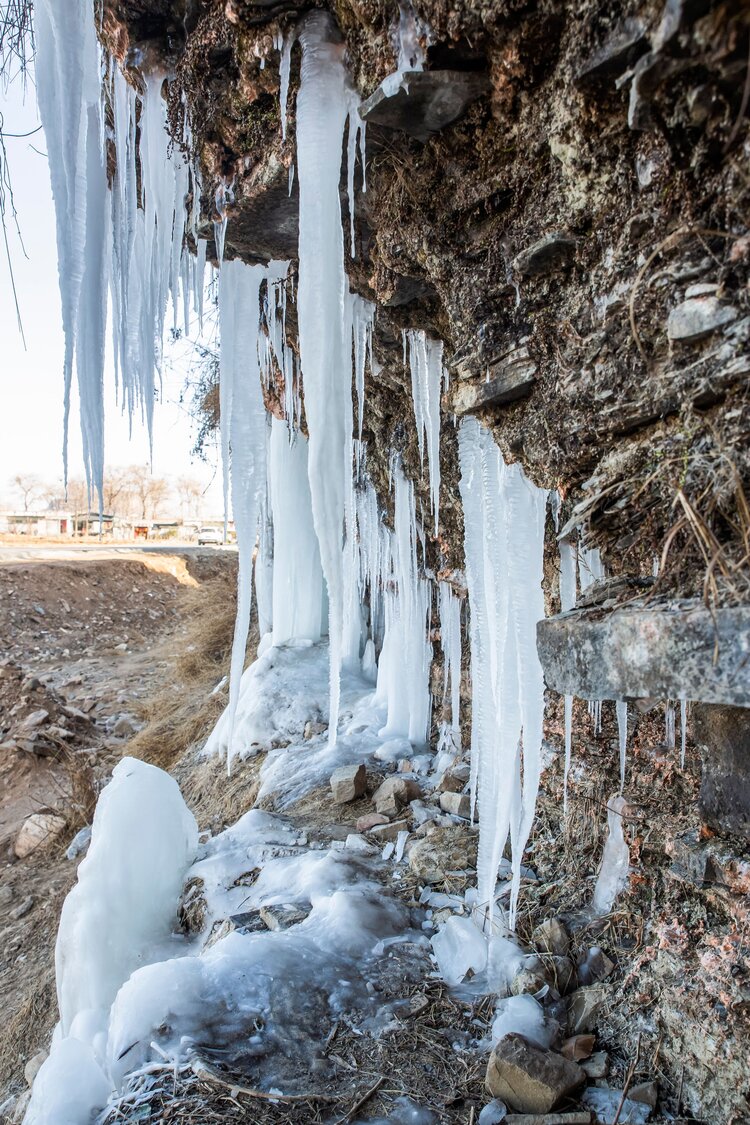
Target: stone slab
x=638 y=652
x=425 y=102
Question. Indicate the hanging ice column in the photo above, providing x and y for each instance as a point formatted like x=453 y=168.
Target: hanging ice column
x=69 y=95
x=426 y=367
x=322 y=108
x=243 y=433
x=504 y=539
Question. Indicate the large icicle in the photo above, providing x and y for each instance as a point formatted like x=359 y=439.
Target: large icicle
x=322 y=109
x=68 y=81
x=426 y=368
x=567 y=602
x=450 y=637
x=243 y=434
x=297 y=575
x=504 y=540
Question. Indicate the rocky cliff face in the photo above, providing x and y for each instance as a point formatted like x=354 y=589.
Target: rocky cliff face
x=561 y=196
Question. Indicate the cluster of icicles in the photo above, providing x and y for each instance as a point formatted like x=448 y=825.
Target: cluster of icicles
x=327 y=563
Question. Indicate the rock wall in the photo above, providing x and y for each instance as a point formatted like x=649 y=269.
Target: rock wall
x=561 y=197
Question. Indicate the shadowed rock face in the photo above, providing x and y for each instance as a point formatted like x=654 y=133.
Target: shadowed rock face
x=426 y=101
x=724 y=737
x=637 y=652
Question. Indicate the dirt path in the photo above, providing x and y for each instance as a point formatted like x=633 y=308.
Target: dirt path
x=83 y=645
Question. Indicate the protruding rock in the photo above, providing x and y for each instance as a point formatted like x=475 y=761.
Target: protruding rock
x=723 y=734
x=33 y=1066
x=547 y=255
x=637 y=652
x=394 y=794
x=282 y=917
x=348 y=783
x=496 y=383
x=620 y=50
x=38 y=829
x=388 y=832
x=698 y=317
x=425 y=101
x=457 y=804
x=528 y=1078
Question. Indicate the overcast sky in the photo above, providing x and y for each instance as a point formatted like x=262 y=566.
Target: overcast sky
x=31 y=385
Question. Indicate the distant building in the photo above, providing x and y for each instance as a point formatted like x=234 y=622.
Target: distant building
x=47 y=524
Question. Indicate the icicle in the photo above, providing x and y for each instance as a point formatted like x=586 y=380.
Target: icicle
x=243 y=437
x=450 y=637
x=590 y=568
x=567 y=602
x=284 y=71
x=622 y=733
x=322 y=107
x=504 y=540
x=426 y=367
x=683 y=731
x=297 y=574
x=404 y=666
x=69 y=94
x=613 y=873
x=200 y=271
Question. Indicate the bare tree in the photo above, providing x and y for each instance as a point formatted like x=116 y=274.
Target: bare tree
x=150 y=492
x=117 y=491
x=190 y=492
x=30 y=487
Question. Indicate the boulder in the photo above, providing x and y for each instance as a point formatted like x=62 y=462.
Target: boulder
x=38 y=829
x=348 y=783
x=443 y=851
x=457 y=804
x=424 y=102
x=394 y=794
x=529 y=1079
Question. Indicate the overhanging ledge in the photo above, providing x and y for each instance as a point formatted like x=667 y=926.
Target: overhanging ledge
x=673 y=651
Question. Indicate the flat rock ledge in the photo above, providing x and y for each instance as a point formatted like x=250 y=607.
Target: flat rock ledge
x=639 y=651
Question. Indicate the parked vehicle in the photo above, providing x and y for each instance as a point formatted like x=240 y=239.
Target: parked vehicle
x=209 y=537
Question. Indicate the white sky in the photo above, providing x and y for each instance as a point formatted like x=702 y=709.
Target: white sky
x=31 y=384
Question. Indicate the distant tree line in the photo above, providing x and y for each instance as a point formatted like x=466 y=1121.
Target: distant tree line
x=130 y=492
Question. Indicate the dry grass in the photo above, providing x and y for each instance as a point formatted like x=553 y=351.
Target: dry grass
x=197 y=658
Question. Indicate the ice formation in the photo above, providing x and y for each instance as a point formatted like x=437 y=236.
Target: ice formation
x=504 y=540
x=621 y=709
x=567 y=602
x=450 y=640
x=426 y=368
x=613 y=873
x=117 y=918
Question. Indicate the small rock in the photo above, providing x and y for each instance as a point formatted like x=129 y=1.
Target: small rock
x=282 y=917
x=387 y=833
x=33 y=1066
x=578 y=1047
x=394 y=794
x=529 y=1079
x=561 y=972
x=575 y=1118
x=370 y=820
x=597 y=1066
x=493 y=1113
x=595 y=966
x=348 y=783
x=312 y=730
x=646 y=1092
x=453 y=780
x=123 y=728
x=584 y=1007
x=248 y=922
x=457 y=804
x=79 y=844
x=413 y=1006
x=122 y=647
x=31 y=683
x=698 y=317
x=529 y=980
x=444 y=850
x=23 y=909
x=35 y=719
x=551 y=937
x=358 y=844
x=37 y=829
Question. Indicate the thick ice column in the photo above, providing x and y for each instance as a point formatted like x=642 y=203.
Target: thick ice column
x=322 y=108
x=69 y=96
x=450 y=639
x=297 y=574
x=426 y=368
x=244 y=433
x=567 y=601
x=504 y=540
